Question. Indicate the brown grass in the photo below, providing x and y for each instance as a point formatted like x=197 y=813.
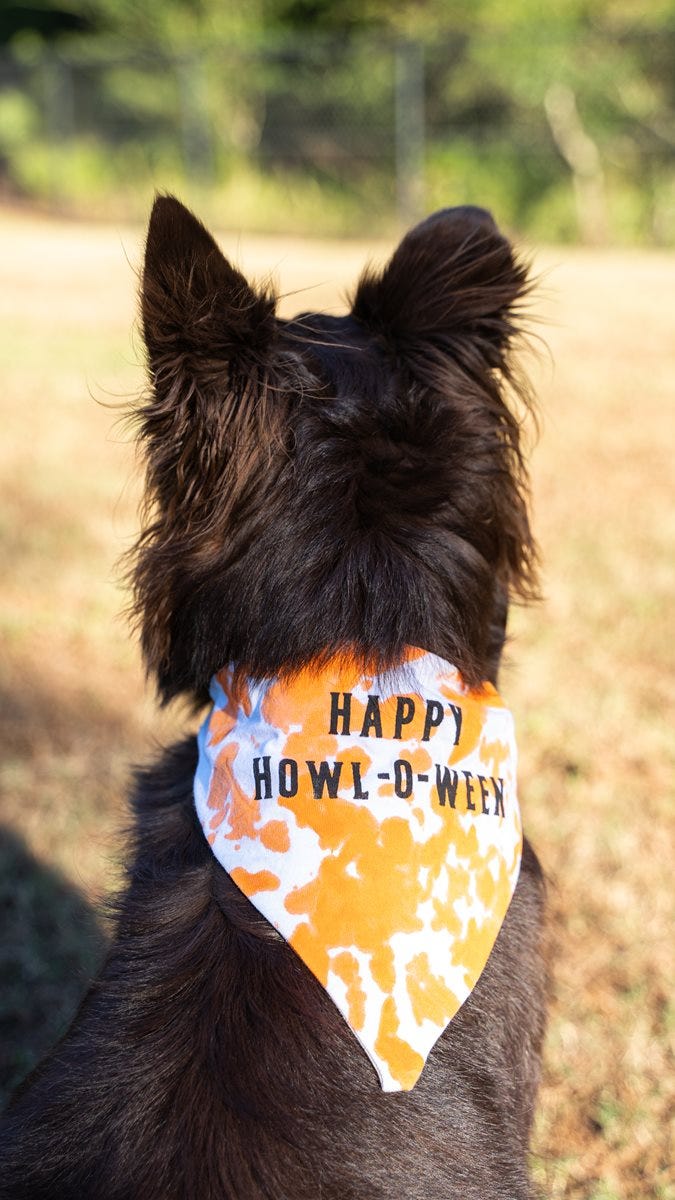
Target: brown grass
x=590 y=674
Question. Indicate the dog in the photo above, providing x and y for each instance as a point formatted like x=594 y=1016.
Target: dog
x=341 y=500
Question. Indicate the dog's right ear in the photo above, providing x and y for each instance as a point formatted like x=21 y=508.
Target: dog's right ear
x=452 y=289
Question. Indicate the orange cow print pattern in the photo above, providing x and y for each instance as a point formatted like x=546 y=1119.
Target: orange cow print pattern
x=373 y=820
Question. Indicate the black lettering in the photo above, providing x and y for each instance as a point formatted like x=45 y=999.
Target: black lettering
x=324 y=776
x=403 y=778
x=457 y=715
x=498 y=785
x=359 y=793
x=288 y=777
x=340 y=712
x=262 y=775
x=484 y=793
x=405 y=711
x=433 y=718
x=446 y=786
x=372 y=718
x=469 y=790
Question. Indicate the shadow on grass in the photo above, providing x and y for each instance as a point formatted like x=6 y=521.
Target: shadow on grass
x=51 y=943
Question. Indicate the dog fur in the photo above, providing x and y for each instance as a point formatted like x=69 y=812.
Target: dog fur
x=312 y=485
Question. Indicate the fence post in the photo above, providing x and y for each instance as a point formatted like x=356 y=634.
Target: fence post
x=58 y=111
x=58 y=100
x=195 y=118
x=410 y=131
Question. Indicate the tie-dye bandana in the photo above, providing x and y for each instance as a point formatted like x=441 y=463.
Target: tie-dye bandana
x=373 y=820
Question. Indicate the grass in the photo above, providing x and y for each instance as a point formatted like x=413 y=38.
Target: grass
x=589 y=674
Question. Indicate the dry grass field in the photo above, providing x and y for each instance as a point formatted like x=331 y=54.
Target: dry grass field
x=590 y=671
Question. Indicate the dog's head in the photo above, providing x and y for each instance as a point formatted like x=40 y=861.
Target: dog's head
x=330 y=483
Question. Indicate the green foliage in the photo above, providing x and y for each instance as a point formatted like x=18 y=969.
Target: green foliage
x=560 y=117
x=499 y=176
x=19 y=120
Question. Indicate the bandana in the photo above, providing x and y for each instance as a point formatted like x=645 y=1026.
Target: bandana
x=373 y=820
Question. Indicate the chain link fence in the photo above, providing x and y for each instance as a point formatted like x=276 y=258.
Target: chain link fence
x=333 y=135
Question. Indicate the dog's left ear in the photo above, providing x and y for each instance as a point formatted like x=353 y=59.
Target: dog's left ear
x=451 y=288
x=198 y=311
x=210 y=339
x=208 y=419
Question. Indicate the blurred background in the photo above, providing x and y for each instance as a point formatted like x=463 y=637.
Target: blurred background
x=309 y=134
x=310 y=116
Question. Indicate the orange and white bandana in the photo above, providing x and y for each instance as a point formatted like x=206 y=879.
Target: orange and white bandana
x=373 y=820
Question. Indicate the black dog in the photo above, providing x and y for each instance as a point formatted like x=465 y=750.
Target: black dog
x=313 y=486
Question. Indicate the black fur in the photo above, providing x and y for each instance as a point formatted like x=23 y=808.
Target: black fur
x=313 y=485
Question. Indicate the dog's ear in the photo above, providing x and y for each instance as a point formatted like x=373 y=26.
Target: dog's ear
x=452 y=287
x=208 y=419
x=448 y=307
x=209 y=338
x=198 y=311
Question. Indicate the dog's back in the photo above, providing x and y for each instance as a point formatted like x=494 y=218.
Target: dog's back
x=314 y=486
